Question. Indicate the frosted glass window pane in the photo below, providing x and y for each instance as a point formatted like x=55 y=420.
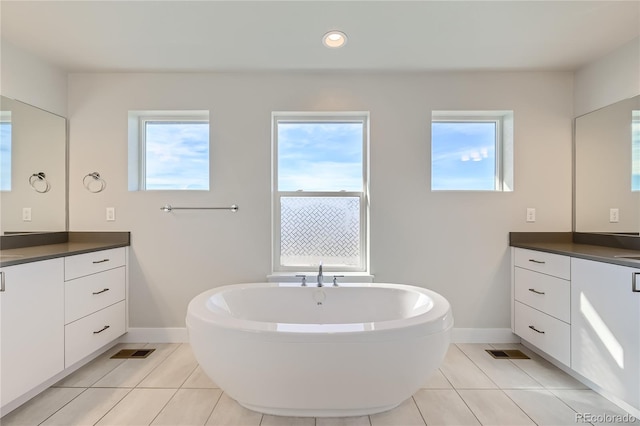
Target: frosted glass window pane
x=177 y=155
x=320 y=156
x=320 y=229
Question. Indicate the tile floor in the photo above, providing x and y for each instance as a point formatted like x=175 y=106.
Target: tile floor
x=168 y=388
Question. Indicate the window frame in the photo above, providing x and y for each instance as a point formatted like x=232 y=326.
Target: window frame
x=320 y=117
x=140 y=158
x=501 y=139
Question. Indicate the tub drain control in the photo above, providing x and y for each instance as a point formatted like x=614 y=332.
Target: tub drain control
x=319 y=297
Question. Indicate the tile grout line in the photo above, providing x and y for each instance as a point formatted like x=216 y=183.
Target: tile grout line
x=158 y=365
x=521 y=369
x=497 y=386
x=114 y=405
x=214 y=406
x=478 y=367
x=62 y=406
x=175 y=391
x=189 y=375
x=136 y=385
x=521 y=409
x=419 y=411
x=446 y=378
x=465 y=403
x=90 y=362
x=545 y=388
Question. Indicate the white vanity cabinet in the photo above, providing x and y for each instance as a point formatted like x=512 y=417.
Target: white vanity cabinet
x=541 y=298
x=31 y=331
x=95 y=291
x=55 y=313
x=605 y=319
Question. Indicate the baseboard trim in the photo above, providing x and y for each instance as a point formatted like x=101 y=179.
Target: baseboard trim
x=156 y=335
x=483 y=335
x=180 y=335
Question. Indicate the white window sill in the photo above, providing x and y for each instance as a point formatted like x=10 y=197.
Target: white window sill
x=348 y=277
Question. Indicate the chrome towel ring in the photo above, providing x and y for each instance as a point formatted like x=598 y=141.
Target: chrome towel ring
x=96 y=184
x=39 y=182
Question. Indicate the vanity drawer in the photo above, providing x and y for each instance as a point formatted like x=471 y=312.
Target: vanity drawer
x=90 y=263
x=86 y=295
x=545 y=293
x=545 y=332
x=90 y=333
x=547 y=263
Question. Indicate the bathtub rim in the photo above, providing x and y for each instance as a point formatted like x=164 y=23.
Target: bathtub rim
x=436 y=320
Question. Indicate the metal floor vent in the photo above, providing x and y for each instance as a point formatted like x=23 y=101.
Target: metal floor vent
x=506 y=354
x=133 y=353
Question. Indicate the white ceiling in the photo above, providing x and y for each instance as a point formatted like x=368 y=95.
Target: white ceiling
x=183 y=35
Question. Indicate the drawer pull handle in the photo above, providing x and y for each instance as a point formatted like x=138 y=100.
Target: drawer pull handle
x=100 y=261
x=542 y=262
x=532 y=290
x=536 y=330
x=102 y=329
x=101 y=291
x=634 y=288
x=2 y=281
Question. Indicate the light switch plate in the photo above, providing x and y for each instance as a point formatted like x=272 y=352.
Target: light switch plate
x=111 y=214
x=26 y=214
x=614 y=215
x=531 y=214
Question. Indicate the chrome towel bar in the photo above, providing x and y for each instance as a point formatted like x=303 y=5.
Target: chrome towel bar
x=169 y=207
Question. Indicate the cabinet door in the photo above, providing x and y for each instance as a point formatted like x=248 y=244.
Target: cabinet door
x=605 y=327
x=31 y=326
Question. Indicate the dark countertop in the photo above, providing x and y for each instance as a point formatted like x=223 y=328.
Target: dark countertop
x=567 y=247
x=76 y=243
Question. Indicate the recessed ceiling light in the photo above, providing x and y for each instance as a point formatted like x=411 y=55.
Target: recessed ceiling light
x=334 y=39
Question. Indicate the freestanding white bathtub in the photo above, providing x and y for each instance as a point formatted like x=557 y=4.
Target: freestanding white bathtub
x=289 y=350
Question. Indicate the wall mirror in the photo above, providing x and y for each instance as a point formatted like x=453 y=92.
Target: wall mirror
x=607 y=169
x=33 y=169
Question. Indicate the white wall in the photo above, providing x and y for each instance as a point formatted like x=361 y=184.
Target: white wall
x=29 y=79
x=609 y=79
x=454 y=243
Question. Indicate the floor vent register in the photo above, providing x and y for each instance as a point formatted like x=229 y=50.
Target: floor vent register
x=506 y=354
x=132 y=353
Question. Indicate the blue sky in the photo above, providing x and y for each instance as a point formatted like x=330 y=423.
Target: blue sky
x=320 y=156
x=177 y=155
x=635 y=151
x=463 y=156
x=5 y=156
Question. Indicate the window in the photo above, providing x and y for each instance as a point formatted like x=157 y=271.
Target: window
x=635 y=150
x=472 y=151
x=168 y=150
x=5 y=151
x=320 y=200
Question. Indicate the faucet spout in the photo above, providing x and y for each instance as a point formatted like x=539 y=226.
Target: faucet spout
x=320 y=276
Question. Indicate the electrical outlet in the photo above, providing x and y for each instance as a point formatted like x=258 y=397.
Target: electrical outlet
x=531 y=214
x=111 y=214
x=614 y=215
x=26 y=214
